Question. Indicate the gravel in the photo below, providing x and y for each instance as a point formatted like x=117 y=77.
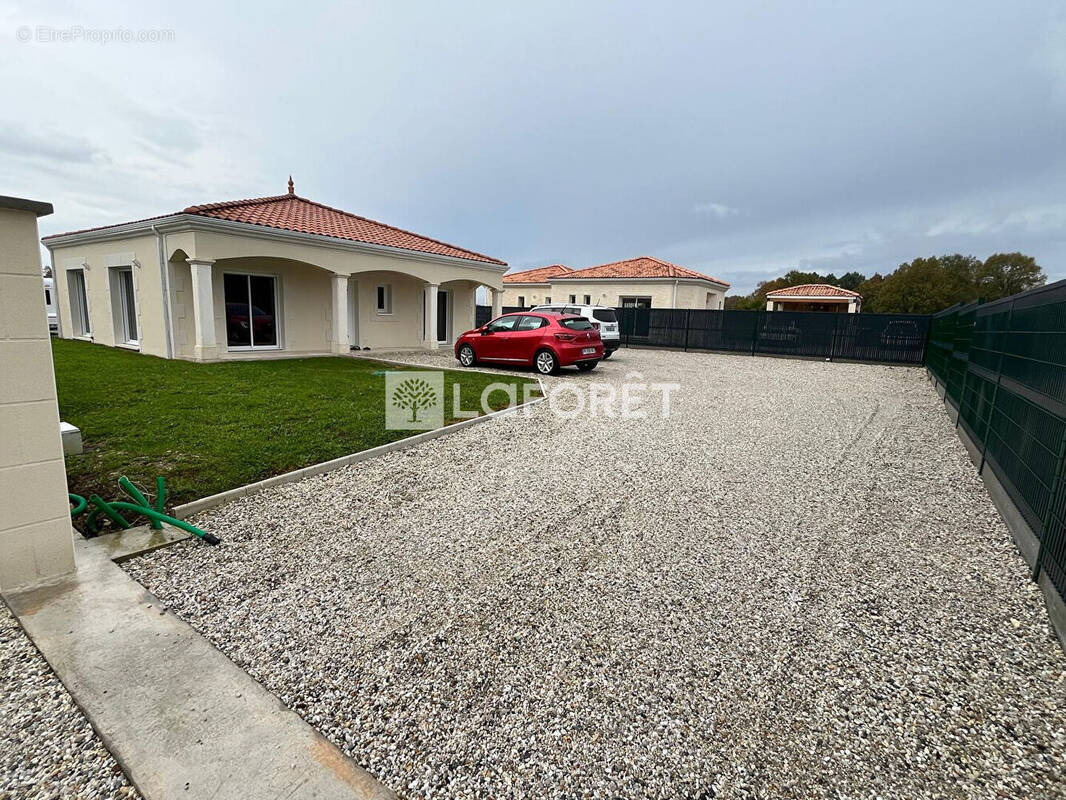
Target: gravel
x=47 y=747
x=795 y=586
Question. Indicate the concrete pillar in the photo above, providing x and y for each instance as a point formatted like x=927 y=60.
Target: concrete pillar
x=853 y=306
x=430 y=339
x=340 y=341
x=769 y=305
x=497 y=302
x=205 y=345
x=36 y=537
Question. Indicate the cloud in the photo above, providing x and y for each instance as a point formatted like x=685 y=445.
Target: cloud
x=715 y=209
x=1031 y=219
x=48 y=145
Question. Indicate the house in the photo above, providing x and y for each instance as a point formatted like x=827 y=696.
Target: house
x=531 y=287
x=267 y=277
x=814 y=297
x=643 y=282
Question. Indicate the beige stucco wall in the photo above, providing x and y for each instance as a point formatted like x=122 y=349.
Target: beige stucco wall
x=534 y=294
x=689 y=295
x=35 y=533
x=96 y=259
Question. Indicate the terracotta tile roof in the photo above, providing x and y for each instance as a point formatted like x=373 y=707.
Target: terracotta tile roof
x=813 y=290
x=291 y=212
x=642 y=267
x=538 y=275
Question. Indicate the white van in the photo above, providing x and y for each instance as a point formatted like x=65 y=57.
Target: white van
x=603 y=317
x=50 y=305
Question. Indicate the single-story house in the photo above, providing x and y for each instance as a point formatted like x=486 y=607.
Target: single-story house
x=643 y=282
x=266 y=277
x=814 y=297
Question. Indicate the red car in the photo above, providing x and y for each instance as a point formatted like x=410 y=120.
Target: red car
x=540 y=340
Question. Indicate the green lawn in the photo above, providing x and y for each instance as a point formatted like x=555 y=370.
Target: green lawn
x=212 y=427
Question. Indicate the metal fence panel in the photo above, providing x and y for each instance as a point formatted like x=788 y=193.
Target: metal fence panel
x=1004 y=365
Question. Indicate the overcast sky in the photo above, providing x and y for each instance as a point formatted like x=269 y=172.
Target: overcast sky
x=741 y=139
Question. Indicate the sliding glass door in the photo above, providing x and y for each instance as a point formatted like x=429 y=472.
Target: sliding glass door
x=127 y=307
x=251 y=311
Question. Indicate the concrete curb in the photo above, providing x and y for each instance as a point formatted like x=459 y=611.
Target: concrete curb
x=212 y=501
x=181 y=719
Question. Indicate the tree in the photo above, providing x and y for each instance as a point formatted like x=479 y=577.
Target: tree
x=927 y=285
x=415 y=394
x=1004 y=274
x=850 y=281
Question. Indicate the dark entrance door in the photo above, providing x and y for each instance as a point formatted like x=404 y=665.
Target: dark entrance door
x=442 y=316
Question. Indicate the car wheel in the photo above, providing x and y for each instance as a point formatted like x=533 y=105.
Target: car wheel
x=546 y=362
x=467 y=356
x=587 y=366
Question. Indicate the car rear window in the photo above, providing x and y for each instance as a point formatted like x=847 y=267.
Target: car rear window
x=579 y=324
x=604 y=314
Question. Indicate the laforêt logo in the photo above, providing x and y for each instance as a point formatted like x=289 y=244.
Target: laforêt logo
x=414 y=400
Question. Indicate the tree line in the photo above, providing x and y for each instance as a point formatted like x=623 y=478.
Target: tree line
x=921 y=286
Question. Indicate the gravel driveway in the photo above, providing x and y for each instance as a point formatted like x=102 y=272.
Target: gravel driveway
x=795 y=586
x=47 y=747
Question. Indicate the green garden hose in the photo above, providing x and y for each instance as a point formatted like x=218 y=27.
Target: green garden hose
x=142 y=507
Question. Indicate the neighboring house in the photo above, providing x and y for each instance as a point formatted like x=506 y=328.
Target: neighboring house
x=642 y=282
x=531 y=287
x=266 y=277
x=814 y=297
x=50 y=304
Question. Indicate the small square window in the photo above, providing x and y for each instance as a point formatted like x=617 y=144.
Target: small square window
x=384 y=299
x=522 y=300
x=573 y=298
x=588 y=300
x=547 y=299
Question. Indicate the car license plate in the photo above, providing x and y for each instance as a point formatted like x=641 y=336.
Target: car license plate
x=587 y=351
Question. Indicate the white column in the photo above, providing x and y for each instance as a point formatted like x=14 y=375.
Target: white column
x=497 y=302
x=430 y=339
x=203 y=309
x=853 y=306
x=769 y=305
x=339 y=340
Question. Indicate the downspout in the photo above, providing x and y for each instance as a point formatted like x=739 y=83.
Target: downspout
x=164 y=270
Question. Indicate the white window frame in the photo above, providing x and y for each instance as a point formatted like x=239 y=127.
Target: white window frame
x=588 y=300
x=522 y=301
x=386 y=310
x=81 y=312
x=241 y=348
x=121 y=307
x=547 y=299
x=573 y=300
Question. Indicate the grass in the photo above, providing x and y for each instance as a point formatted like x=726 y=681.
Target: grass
x=212 y=427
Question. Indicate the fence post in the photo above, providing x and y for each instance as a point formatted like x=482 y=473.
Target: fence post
x=1046 y=522
x=755 y=332
x=688 y=316
x=995 y=392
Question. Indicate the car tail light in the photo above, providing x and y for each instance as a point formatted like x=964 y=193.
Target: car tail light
x=565 y=337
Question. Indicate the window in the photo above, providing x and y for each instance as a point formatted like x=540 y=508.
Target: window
x=573 y=298
x=530 y=323
x=79 y=302
x=588 y=299
x=47 y=297
x=124 y=305
x=547 y=299
x=503 y=324
x=251 y=311
x=581 y=324
x=605 y=315
x=522 y=300
x=385 y=299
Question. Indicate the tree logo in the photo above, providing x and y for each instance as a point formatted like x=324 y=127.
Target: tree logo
x=414 y=400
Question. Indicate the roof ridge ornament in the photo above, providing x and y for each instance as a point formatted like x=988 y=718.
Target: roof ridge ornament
x=292 y=189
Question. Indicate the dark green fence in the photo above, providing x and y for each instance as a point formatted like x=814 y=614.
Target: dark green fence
x=892 y=338
x=1003 y=369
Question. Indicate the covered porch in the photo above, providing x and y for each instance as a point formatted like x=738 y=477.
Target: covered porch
x=236 y=297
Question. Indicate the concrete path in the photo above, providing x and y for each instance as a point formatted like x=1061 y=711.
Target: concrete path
x=180 y=717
